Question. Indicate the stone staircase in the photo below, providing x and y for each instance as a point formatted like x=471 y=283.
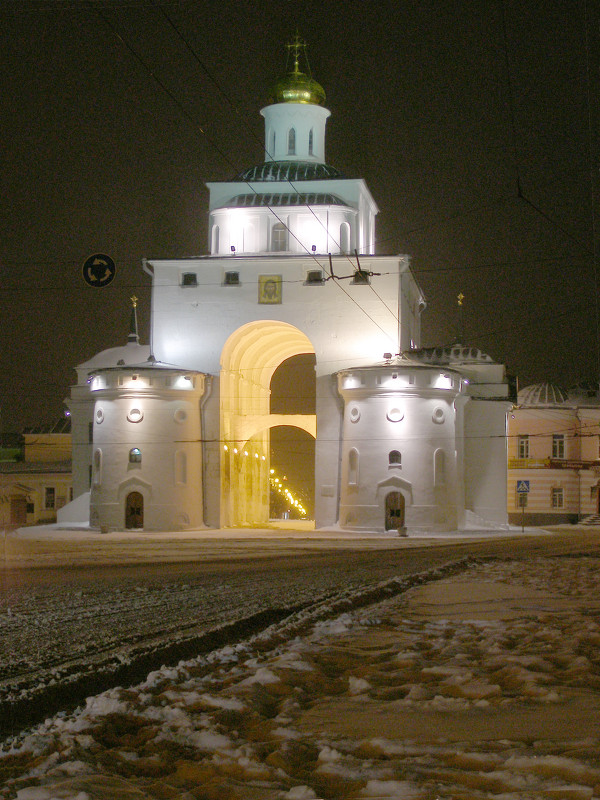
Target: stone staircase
x=592 y=519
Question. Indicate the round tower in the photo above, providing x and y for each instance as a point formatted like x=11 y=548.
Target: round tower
x=400 y=465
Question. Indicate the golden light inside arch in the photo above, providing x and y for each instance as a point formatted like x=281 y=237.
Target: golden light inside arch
x=249 y=358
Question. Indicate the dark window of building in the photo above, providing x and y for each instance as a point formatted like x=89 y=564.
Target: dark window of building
x=395 y=458
x=558 y=497
x=310 y=142
x=232 y=279
x=292 y=142
x=135 y=455
x=279 y=237
x=523 y=446
x=90 y=432
x=49 y=497
x=558 y=445
x=189 y=279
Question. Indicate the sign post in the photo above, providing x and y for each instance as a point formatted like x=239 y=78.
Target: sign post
x=522 y=492
x=98 y=270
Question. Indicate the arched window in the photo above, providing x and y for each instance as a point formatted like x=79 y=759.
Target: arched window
x=97 y=467
x=395 y=458
x=439 y=468
x=344 y=237
x=353 y=467
x=215 y=240
x=279 y=237
x=292 y=142
x=273 y=140
x=310 y=142
x=135 y=455
x=180 y=467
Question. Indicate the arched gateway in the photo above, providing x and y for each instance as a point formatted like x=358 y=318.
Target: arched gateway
x=249 y=358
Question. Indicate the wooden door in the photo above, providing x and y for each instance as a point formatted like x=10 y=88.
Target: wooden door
x=394 y=511
x=134 y=510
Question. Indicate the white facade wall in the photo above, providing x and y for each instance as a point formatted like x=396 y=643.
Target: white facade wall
x=409 y=410
x=160 y=416
x=249 y=229
x=303 y=118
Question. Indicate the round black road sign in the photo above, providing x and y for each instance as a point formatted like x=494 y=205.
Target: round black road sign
x=99 y=270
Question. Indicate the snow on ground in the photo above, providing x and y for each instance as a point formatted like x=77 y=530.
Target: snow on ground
x=485 y=684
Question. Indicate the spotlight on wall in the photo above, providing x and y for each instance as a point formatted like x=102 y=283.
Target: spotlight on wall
x=387 y=356
x=314 y=248
x=233 y=248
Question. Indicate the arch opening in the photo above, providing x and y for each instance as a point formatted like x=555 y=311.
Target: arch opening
x=258 y=391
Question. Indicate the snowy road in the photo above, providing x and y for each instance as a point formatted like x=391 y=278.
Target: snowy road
x=69 y=632
x=473 y=681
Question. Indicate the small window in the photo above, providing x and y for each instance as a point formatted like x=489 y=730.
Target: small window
x=279 y=237
x=439 y=467
x=232 y=279
x=558 y=445
x=135 y=455
x=395 y=458
x=49 y=497
x=189 y=279
x=310 y=142
x=353 y=467
x=292 y=142
x=558 y=498
x=90 y=432
x=30 y=508
x=97 y=467
x=523 y=446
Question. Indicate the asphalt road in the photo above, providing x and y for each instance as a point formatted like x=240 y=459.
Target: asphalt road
x=69 y=631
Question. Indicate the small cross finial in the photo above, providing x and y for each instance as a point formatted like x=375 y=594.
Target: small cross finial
x=460 y=298
x=133 y=301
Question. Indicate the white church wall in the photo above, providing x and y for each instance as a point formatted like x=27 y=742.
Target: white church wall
x=486 y=459
x=398 y=436
x=302 y=117
x=162 y=426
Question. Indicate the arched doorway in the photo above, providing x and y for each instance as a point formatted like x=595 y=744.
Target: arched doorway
x=394 y=511
x=134 y=510
x=249 y=360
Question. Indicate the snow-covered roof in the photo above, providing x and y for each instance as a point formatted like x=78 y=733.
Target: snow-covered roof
x=451 y=354
x=131 y=354
x=542 y=394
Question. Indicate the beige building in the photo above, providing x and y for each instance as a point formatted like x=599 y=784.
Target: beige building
x=554 y=455
x=34 y=487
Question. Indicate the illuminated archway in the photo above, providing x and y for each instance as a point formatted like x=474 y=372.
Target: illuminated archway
x=249 y=358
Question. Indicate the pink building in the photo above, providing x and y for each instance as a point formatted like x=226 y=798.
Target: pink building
x=554 y=455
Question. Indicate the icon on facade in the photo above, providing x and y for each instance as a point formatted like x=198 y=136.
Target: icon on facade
x=269 y=289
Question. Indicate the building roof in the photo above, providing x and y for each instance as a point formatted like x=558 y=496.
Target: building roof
x=62 y=425
x=285 y=199
x=288 y=171
x=542 y=394
x=451 y=354
x=131 y=354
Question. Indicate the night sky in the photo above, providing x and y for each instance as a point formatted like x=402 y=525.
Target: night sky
x=474 y=122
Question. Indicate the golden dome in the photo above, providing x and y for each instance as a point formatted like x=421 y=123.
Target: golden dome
x=297 y=86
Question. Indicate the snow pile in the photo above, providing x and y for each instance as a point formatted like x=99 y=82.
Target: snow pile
x=480 y=686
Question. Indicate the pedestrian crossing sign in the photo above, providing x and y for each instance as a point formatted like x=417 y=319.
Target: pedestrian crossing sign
x=523 y=487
